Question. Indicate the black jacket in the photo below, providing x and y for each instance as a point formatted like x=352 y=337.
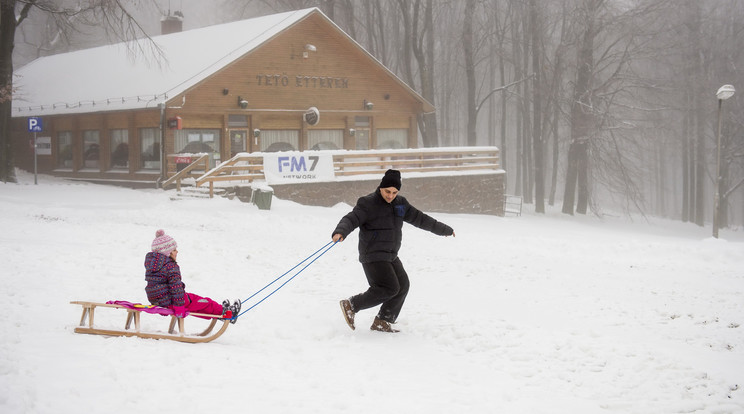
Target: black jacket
x=380 y=225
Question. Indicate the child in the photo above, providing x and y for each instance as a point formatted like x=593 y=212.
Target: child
x=165 y=288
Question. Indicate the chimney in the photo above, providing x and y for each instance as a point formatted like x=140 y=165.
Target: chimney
x=171 y=24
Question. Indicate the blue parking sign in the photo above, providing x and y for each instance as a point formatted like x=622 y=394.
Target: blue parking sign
x=34 y=124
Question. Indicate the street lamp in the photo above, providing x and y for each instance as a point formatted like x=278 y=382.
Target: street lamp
x=724 y=92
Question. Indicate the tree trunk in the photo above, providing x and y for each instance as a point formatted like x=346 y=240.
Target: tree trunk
x=686 y=164
x=425 y=60
x=536 y=112
x=582 y=118
x=518 y=123
x=526 y=127
x=697 y=118
x=7 y=40
x=469 y=52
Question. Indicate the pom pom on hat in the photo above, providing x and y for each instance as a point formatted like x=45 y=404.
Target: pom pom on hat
x=391 y=179
x=163 y=243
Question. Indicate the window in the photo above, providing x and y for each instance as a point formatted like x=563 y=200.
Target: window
x=194 y=141
x=280 y=140
x=91 y=148
x=64 y=149
x=119 y=149
x=237 y=121
x=392 y=138
x=325 y=139
x=150 y=148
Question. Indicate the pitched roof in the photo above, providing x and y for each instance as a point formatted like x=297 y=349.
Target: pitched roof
x=109 y=78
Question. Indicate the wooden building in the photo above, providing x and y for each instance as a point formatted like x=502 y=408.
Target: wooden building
x=289 y=81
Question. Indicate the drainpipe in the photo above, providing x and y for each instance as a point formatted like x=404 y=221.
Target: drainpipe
x=163 y=162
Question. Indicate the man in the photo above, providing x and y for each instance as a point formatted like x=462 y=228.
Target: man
x=380 y=216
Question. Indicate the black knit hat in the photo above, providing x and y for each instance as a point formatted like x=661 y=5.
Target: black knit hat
x=391 y=179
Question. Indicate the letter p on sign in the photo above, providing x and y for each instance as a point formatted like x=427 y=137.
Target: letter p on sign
x=34 y=124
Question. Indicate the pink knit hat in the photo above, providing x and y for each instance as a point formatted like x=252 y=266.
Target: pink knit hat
x=163 y=243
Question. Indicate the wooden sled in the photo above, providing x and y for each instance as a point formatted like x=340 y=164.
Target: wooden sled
x=134 y=315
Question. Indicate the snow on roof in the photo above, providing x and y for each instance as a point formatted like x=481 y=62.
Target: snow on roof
x=108 y=78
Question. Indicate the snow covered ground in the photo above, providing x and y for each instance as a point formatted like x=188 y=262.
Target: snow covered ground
x=532 y=314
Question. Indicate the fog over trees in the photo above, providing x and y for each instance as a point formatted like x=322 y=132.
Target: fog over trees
x=596 y=105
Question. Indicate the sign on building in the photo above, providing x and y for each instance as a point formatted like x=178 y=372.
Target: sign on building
x=44 y=145
x=298 y=167
x=35 y=124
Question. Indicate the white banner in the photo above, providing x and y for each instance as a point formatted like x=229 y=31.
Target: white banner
x=298 y=167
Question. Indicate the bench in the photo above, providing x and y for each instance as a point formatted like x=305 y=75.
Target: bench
x=513 y=205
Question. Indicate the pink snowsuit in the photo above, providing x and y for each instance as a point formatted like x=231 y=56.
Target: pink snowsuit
x=197 y=304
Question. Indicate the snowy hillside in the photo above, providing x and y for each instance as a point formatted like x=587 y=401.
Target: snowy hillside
x=533 y=314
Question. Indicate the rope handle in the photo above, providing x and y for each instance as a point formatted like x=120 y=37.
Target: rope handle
x=315 y=257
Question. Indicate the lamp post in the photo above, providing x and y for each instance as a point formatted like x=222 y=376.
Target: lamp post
x=724 y=92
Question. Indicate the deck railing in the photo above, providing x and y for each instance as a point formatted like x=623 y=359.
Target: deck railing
x=249 y=166
x=193 y=166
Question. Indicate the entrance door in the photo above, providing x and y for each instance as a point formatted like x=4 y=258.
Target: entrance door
x=361 y=123
x=237 y=141
x=362 y=138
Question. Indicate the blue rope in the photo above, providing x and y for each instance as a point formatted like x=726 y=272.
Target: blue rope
x=326 y=247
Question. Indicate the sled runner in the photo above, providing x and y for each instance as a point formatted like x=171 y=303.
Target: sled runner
x=134 y=310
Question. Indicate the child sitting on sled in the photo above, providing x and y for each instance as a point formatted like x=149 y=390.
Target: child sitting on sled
x=166 y=289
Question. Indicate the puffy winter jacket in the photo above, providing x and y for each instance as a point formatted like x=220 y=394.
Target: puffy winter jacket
x=380 y=226
x=164 y=286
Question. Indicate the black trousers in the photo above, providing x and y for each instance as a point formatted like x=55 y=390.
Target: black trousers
x=388 y=285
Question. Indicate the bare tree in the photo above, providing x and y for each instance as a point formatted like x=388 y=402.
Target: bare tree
x=111 y=15
x=583 y=123
x=418 y=26
x=538 y=144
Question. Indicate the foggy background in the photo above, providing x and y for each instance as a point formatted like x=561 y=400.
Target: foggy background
x=598 y=106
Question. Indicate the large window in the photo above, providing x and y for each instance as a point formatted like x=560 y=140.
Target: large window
x=119 y=149
x=194 y=141
x=392 y=138
x=91 y=148
x=325 y=139
x=64 y=149
x=273 y=140
x=150 y=148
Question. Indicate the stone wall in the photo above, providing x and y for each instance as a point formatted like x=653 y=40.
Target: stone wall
x=471 y=193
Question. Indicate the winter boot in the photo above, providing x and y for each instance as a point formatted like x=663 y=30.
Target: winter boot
x=348 y=313
x=382 y=326
x=226 y=311
x=235 y=309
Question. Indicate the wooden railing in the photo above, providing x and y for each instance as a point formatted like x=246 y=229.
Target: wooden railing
x=418 y=160
x=249 y=167
x=241 y=167
x=197 y=165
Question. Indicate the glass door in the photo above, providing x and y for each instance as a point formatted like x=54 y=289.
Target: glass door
x=237 y=141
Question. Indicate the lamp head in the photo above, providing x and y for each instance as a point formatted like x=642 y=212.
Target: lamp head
x=725 y=92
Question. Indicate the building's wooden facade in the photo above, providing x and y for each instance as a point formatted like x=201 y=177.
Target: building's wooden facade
x=253 y=103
